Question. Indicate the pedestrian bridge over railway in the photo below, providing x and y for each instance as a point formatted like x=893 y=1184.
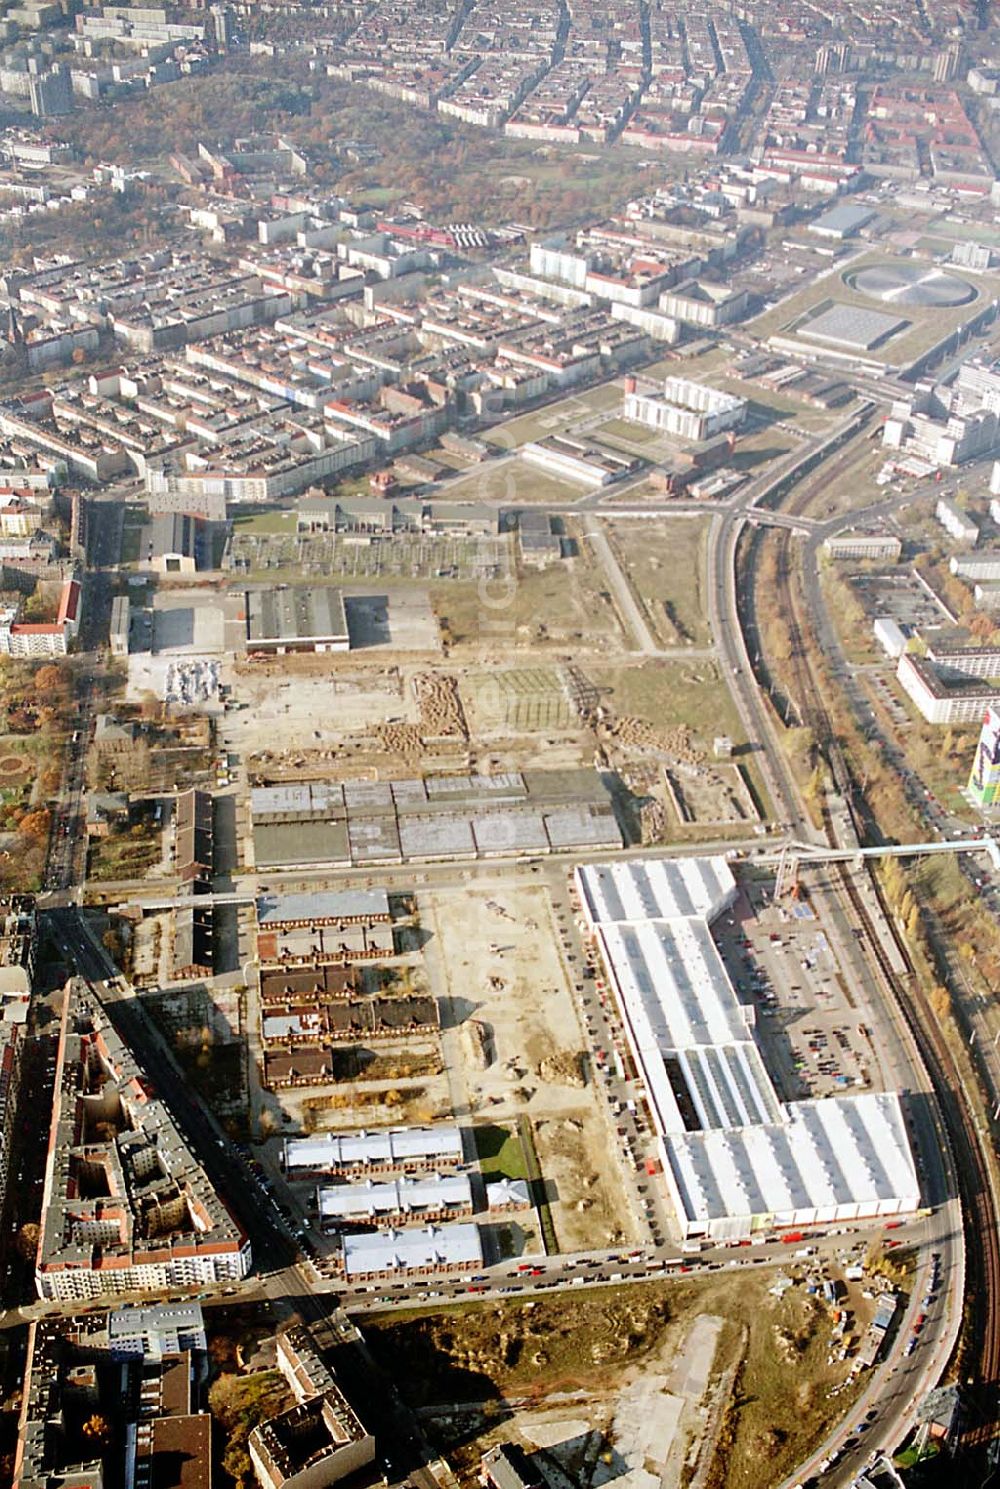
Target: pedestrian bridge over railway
x=793 y=856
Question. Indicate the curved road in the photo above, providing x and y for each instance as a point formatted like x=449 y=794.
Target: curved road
x=903 y=1377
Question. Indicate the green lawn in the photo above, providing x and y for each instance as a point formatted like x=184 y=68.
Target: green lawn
x=628 y=431
x=555 y=417
x=565 y=605
x=667 y=693
x=128 y=854
x=693 y=693
x=500 y=1153
x=131 y=538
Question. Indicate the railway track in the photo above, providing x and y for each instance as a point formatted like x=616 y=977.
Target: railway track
x=980 y=1343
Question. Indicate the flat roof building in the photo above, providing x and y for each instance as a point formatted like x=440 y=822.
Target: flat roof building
x=578 y=460
x=296 y=619
x=849 y=327
x=319 y=1440
x=854 y=544
x=156 y=1329
x=890 y=636
x=689 y=410
x=18 y=946
x=438 y=816
x=984 y=778
x=144 y=1380
x=976 y=566
x=118 y=634
x=842 y=221
x=943 y=694
x=323 y=907
x=171 y=544
x=701 y=303
x=736 y=1159
x=970 y=661
x=956 y=523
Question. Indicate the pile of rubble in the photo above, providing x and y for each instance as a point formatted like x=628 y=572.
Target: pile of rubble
x=636 y=734
x=400 y=739
x=441 y=712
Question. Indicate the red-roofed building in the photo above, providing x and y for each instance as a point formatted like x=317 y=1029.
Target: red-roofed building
x=43 y=638
x=69 y=605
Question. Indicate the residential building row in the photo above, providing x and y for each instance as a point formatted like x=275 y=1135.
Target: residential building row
x=33 y=639
x=500 y=70
x=127 y=1205
x=320 y=1439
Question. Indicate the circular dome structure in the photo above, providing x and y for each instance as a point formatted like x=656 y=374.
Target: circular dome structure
x=922 y=285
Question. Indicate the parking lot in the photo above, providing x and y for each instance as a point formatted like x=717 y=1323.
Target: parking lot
x=901 y=597
x=883 y=690
x=814 y=1040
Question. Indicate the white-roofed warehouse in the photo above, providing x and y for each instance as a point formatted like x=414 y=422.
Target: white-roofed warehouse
x=735 y=1158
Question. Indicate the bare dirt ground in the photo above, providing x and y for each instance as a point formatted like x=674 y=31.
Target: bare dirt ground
x=309 y=716
x=310 y=702
x=719 y=1377
x=579 y=1164
x=495 y=960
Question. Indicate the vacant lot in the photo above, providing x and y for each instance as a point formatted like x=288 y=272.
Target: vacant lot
x=496 y=960
x=513 y=480
x=665 y=564
x=128 y=854
x=565 y=606
x=770 y=1381
x=512 y=1040
x=556 y=417
x=580 y=1174
x=668 y=693
x=681 y=707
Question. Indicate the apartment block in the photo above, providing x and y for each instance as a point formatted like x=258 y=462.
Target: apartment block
x=688 y=410
x=127 y=1205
